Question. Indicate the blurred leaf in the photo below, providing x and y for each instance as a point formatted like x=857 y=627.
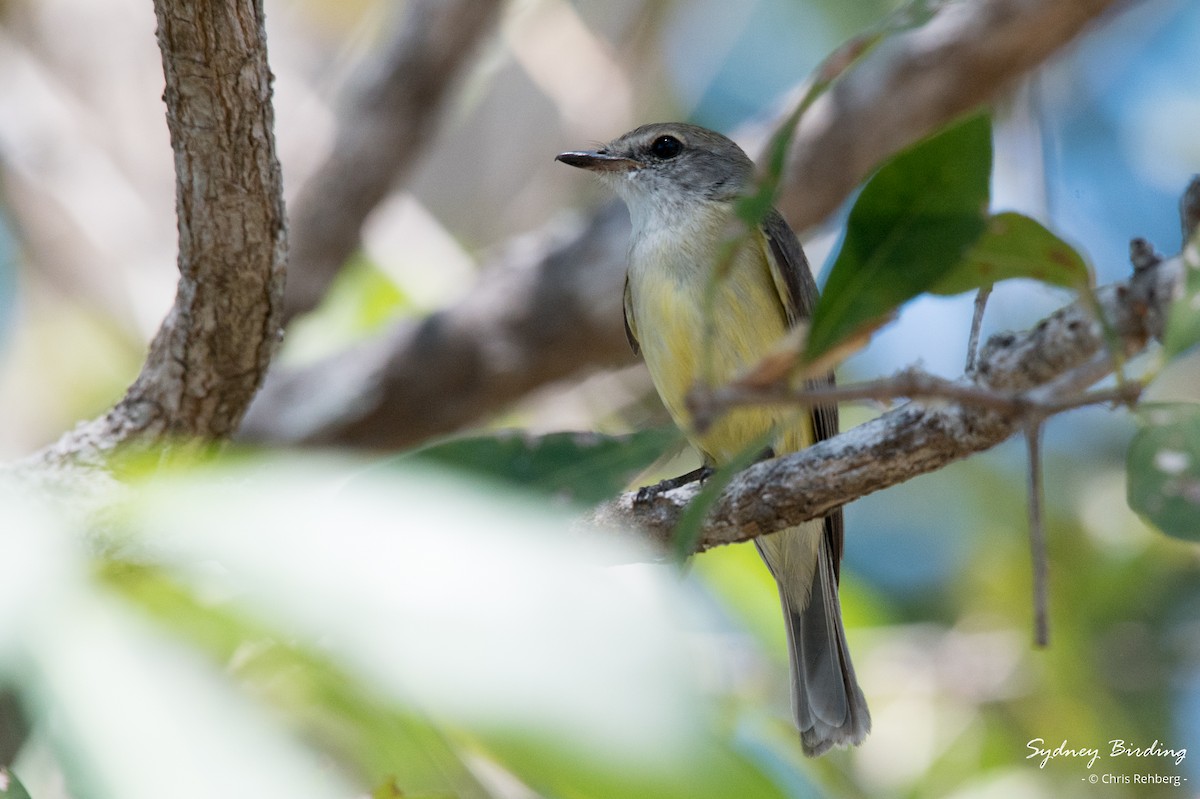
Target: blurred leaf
x=1163 y=467
x=584 y=467
x=10 y=786
x=387 y=790
x=333 y=709
x=1183 y=322
x=1012 y=246
x=39 y=565
x=911 y=226
x=361 y=299
x=578 y=660
x=136 y=716
x=714 y=768
x=472 y=604
x=772 y=747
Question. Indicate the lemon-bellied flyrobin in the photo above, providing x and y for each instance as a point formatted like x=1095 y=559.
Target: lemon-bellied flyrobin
x=697 y=312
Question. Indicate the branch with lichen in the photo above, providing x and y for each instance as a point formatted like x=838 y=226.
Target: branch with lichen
x=1019 y=380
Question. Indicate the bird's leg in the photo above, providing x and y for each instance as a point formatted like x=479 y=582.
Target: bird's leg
x=647 y=494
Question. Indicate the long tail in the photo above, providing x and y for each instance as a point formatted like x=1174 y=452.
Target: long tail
x=829 y=705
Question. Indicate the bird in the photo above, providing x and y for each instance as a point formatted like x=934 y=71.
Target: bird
x=697 y=312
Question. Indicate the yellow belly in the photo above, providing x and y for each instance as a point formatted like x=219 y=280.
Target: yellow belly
x=747 y=319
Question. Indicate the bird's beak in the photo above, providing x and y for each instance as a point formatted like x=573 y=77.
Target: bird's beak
x=598 y=161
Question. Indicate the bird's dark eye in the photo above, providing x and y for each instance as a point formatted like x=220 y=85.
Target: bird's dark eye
x=665 y=147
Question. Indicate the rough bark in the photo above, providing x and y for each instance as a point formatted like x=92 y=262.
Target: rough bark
x=209 y=356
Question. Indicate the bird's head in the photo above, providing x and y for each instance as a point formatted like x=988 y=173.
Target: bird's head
x=668 y=164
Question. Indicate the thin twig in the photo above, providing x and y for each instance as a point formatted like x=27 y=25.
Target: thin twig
x=1127 y=395
x=1037 y=536
x=1067 y=391
x=976 y=325
x=911 y=383
x=1038 y=403
x=1189 y=209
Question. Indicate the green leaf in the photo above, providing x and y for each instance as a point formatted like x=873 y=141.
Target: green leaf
x=10 y=786
x=585 y=467
x=138 y=717
x=1183 y=322
x=911 y=226
x=363 y=297
x=359 y=302
x=1163 y=469
x=1015 y=246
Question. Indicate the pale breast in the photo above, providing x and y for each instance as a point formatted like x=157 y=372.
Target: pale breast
x=687 y=338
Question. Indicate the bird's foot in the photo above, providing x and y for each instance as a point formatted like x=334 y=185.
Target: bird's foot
x=647 y=494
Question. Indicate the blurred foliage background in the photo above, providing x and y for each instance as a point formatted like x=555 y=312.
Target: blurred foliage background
x=258 y=626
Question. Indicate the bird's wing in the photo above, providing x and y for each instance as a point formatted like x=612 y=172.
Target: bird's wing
x=789 y=269
x=630 y=322
x=798 y=291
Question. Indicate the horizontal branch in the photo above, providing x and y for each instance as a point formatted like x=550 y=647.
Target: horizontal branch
x=536 y=316
x=1063 y=351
